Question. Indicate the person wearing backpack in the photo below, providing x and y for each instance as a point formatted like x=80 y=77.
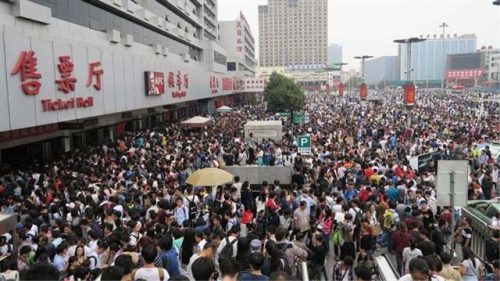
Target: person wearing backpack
x=228 y=247
x=191 y=201
x=346 y=232
x=291 y=252
x=149 y=271
x=357 y=215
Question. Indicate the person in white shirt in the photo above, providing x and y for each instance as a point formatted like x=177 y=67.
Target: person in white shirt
x=148 y=271
x=419 y=270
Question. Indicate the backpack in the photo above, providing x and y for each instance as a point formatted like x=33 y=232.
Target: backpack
x=389 y=222
x=357 y=220
x=285 y=266
x=193 y=209
x=227 y=251
x=94 y=225
x=338 y=238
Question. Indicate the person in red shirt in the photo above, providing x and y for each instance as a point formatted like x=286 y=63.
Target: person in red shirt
x=400 y=240
x=369 y=171
x=399 y=170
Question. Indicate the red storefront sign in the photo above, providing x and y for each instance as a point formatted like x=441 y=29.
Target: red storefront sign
x=227 y=84
x=177 y=81
x=28 y=132
x=341 y=88
x=26 y=65
x=214 y=84
x=155 y=83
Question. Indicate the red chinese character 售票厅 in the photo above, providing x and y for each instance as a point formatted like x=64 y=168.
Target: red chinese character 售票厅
x=26 y=65
x=67 y=83
x=93 y=71
x=179 y=80
x=171 y=79
x=186 y=80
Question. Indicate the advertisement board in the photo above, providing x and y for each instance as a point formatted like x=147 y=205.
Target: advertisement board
x=155 y=83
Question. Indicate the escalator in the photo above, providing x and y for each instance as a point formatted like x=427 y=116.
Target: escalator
x=386 y=268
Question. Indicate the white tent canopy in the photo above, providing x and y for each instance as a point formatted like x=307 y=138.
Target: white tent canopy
x=197 y=121
x=224 y=109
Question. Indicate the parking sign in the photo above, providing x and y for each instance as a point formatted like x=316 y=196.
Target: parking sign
x=304 y=144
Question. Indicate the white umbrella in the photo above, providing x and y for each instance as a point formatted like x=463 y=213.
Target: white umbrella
x=224 y=109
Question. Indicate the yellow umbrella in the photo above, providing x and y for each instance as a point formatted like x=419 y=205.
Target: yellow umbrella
x=209 y=177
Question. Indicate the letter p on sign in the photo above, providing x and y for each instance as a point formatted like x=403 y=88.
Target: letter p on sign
x=304 y=144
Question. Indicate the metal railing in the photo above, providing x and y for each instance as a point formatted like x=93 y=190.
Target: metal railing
x=480 y=232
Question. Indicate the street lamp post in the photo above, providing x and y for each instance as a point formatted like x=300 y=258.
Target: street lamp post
x=341 y=85
x=362 y=88
x=409 y=88
x=443 y=70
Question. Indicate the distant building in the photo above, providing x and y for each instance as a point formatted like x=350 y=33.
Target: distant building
x=236 y=37
x=293 y=32
x=482 y=65
x=335 y=54
x=381 y=68
x=491 y=64
x=427 y=56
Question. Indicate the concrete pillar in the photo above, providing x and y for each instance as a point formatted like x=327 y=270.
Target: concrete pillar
x=66 y=141
x=111 y=133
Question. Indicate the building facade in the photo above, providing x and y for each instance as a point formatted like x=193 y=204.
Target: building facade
x=381 y=69
x=335 y=54
x=491 y=64
x=427 y=56
x=237 y=38
x=77 y=73
x=293 y=32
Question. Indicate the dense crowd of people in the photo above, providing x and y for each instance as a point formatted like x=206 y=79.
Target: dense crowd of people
x=123 y=210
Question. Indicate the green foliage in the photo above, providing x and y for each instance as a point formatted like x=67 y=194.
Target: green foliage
x=283 y=94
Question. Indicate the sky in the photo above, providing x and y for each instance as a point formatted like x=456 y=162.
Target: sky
x=368 y=27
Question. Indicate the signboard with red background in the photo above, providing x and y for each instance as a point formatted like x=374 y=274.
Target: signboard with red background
x=465 y=73
x=155 y=83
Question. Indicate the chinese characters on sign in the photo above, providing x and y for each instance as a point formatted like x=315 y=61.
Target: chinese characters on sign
x=464 y=73
x=26 y=66
x=254 y=85
x=66 y=83
x=227 y=84
x=154 y=83
x=93 y=71
x=27 y=132
x=177 y=80
x=239 y=36
x=214 y=84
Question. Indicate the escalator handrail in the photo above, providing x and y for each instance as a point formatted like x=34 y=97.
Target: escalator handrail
x=391 y=265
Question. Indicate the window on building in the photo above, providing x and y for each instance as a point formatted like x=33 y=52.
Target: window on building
x=231 y=66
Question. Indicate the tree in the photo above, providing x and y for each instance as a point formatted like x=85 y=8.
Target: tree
x=283 y=94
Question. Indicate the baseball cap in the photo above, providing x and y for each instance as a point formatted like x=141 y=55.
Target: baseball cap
x=255 y=246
